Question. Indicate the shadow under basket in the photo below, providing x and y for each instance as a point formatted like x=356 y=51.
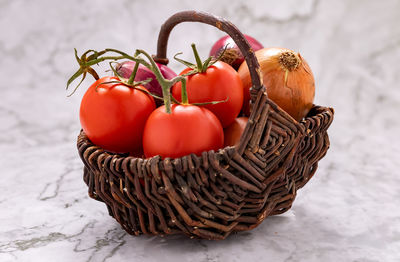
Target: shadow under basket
x=217 y=193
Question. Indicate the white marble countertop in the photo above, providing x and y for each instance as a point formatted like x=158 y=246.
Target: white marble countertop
x=349 y=211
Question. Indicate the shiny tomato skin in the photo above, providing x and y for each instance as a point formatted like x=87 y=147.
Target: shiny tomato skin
x=113 y=116
x=218 y=83
x=188 y=129
x=234 y=131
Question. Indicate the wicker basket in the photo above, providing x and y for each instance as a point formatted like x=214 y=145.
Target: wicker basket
x=217 y=193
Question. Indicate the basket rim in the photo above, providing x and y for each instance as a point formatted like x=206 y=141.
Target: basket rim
x=302 y=123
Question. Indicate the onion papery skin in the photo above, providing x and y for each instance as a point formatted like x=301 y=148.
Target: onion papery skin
x=287 y=78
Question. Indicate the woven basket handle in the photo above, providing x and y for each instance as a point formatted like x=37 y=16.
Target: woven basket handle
x=221 y=24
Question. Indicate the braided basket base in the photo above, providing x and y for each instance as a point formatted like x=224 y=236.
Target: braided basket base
x=217 y=193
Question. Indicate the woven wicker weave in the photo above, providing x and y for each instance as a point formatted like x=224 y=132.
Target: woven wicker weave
x=217 y=193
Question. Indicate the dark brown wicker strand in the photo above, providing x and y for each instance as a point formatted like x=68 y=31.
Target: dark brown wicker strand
x=218 y=193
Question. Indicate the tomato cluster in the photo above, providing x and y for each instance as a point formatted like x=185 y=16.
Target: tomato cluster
x=199 y=109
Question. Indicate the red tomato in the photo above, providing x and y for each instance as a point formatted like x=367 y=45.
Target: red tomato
x=188 y=129
x=233 y=132
x=219 y=82
x=113 y=116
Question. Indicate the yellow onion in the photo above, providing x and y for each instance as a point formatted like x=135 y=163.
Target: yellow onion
x=287 y=78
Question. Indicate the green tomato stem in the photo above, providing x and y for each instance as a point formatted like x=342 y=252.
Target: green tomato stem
x=198 y=59
x=184 y=94
x=101 y=59
x=132 y=77
x=164 y=83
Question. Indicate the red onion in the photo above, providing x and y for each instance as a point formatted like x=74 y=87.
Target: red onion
x=125 y=69
x=232 y=55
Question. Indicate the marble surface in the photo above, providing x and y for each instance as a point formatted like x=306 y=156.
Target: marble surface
x=348 y=212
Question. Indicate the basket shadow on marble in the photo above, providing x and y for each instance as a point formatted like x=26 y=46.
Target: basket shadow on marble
x=217 y=193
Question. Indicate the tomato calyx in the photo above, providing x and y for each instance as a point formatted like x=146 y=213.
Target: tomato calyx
x=139 y=85
x=128 y=82
x=136 y=85
x=165 y=84
x=84 y=67
x=85 y=63
x=200 y=66
x=92 y=57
